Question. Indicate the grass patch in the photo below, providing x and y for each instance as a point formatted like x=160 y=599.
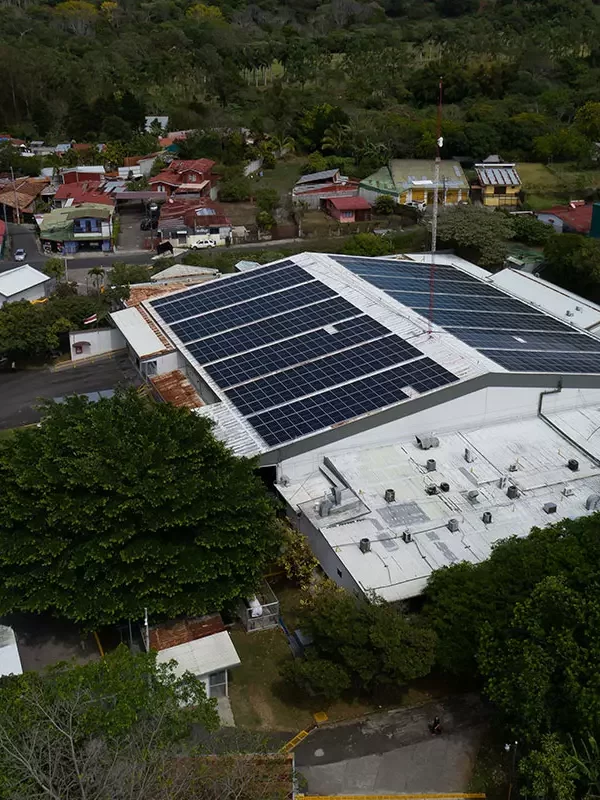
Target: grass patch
x=7 y=433
x=283 y=176
x=538 y=178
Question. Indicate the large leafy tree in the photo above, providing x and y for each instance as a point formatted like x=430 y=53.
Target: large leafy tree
x=114 y=507
x=477 y=233
x=104 y=730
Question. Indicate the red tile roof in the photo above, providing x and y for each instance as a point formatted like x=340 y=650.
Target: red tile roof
x=349 y=203
x=86 y=192
x=174 y=174
x=185 y=209
x=171 y=634
x=577 y=215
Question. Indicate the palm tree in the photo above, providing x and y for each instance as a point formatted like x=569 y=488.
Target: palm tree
x=283 y=145
x=97 y=276
x=335 y=138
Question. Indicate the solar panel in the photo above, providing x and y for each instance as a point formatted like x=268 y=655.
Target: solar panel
x=315 y=376
x=238 y=278
x=467 y=301
x=526 y=340
x=259 y=308
x=229 y=292
x=527 y=361
x=271 y=330
x=346 y=402
x=473 y=319
x=403 y=283
x=255 y=363
x=370 y=267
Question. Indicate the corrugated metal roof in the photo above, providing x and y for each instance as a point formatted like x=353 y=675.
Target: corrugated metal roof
x=204 y=656
x=19 y=279
x=138 y=333
x=181 y=631
x=318 y=176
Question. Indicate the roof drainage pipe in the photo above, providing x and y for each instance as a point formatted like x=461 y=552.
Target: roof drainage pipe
x=555 y=427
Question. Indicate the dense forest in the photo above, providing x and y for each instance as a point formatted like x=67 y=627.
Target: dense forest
x=353 y=77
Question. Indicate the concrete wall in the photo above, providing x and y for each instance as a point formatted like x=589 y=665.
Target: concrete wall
x=35 y=293
x=95 y=342
x=164 y=363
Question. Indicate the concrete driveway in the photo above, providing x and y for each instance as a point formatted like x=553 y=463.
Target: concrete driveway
x=394 y=752
x=21 y=391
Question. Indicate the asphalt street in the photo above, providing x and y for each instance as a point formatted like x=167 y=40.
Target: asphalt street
x=394 y=752
x=21 y=391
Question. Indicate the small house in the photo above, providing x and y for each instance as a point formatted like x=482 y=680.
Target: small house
x=190 y=222
x=314 y=189
x=185 y=177
x=498 y=183
x=88 y=226
x=573 y=218
x=413 y=181
x=348 y=209
x=201 y=646
x=81 y=174
x=23 y=283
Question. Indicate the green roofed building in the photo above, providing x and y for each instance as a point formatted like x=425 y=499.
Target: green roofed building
x=412 y=181
x=88 y=226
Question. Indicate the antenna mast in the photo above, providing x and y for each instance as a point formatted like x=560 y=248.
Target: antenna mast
x=439 y=143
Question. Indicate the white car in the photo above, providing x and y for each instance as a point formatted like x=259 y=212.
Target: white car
x=204 y=245
x=20 y=254
x=420 y=206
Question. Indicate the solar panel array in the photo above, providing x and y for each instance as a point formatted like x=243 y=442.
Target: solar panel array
x=291 y=354
x=510 y=332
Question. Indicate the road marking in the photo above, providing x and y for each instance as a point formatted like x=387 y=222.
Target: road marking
x=289 y=746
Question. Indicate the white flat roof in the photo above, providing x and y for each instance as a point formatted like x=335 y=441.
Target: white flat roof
x=549 y=297
x=10 y=661
x=19 y=279
x=139 y=335
x=203 y=656
x=527 y=454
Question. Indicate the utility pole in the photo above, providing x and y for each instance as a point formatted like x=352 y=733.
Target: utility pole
x=14 y=183
x=439 y=143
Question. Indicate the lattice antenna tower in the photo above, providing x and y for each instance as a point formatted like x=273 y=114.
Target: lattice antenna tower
x=439 y=143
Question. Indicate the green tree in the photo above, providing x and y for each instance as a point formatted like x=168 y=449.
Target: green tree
x=55 y=268
x=125 y=504
x=297 y=559
x=573 y=262
x=385 y=205
x=549 y=772
x=267 y=200
x=368 y=244
x=265 y=221
x=97 y=276
x=529 y=230
x=318 y=676
x=587 y=120
x=105 y=729
x=235 y=190
x=476 y=233
x=565 y=144
x=122 y=274
x=373 y=641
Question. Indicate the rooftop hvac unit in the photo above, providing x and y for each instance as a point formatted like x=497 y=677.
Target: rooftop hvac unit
x=512 y=492
x=593 y=502
x=502 y=482
x=427 y=442
x=444 y=487
x=573 y=464
x=568 y=491
x=324 y=507
x=570 y=313
x=452 y=525
x=407 y=536
x=550 y=508
x=513 y=467
x=487 y=517
x=389 y=496
x=365 y=545
x=431 y=489
x=336 y=494
x=472 y=495
x=469 y=457
x=431 y=465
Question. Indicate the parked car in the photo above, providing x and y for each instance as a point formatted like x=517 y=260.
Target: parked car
x=20 y=254
x=420 y=206
x=148 y=224
x=204 y=245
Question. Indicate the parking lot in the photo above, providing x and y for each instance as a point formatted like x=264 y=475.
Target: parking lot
x=131 y=237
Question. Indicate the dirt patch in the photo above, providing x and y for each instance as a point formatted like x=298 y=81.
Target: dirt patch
x=260 y=705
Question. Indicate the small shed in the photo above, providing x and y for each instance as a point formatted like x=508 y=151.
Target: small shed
x=261 y=611
x=200 y=645
x=23 y=283
x=348 y=209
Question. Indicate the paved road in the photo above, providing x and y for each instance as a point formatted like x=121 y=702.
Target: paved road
x=22 y=390
x=394 y=752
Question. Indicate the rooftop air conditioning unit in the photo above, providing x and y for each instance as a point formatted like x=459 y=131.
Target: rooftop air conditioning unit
x=452 y=525
x=550 y=508
x=407 y=536
x=324 y=507
x=427 y=442
x=512 y=492
x=472 y=495
x=487 y=517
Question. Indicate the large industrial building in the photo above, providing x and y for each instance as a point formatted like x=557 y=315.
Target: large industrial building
x=401 y=440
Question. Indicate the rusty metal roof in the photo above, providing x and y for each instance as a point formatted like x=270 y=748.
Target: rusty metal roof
x=176 y=632
x=173 y=387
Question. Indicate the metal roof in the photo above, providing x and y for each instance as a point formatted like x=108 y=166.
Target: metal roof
x=19 y=279
x=315 y=177
x=10 y=660
x=202 y=656
x=498 y=175
x=137 y=332
x=403 y=174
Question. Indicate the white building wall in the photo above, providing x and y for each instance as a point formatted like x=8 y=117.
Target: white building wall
x=35 y=293
x=96 y=342
x=161 y=364
x=476 y=410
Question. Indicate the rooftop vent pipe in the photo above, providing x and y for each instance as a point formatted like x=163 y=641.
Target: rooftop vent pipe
x=365 y=545
x=389 y=496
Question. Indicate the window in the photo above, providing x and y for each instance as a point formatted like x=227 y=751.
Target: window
x=217 y=684
x=149 y=368
x=499 y=189
x=347 y=214
x=192 y=177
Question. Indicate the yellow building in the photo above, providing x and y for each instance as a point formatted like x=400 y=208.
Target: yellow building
x=412 y=181
x=499 y=183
